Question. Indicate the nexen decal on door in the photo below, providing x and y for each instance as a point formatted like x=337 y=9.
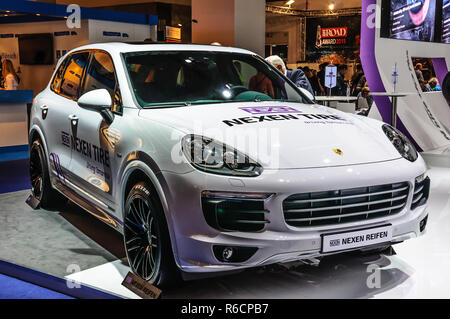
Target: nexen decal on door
x=87 y=149
x=97 y=175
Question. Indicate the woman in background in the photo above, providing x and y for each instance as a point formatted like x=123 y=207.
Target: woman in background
x=9 y=75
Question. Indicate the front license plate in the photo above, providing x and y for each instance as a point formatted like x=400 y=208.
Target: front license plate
x=356 y=239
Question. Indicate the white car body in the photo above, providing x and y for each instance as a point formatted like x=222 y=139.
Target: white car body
x=331 y=151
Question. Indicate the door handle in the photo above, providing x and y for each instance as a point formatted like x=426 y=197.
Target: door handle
x=74 y=124
x=44 y=109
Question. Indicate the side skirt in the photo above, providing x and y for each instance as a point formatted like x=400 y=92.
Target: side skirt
x=91 y=208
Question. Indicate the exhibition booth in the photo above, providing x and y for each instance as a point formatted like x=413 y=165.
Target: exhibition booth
x=423 y=116
x=70 y=253
x=34 y=36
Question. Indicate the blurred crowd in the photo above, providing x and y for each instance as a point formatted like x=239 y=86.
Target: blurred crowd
x=314 y=81
x=428 y=83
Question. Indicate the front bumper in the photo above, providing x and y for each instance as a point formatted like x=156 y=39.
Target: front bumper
x=193 y=239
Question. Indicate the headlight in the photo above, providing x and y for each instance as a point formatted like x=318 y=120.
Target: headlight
x=213 y=157
x=401 y=143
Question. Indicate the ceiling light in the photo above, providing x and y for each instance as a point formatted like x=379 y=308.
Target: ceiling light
x=289 y=3
x=331 y=6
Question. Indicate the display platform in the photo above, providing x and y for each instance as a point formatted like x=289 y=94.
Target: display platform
x=62 y=243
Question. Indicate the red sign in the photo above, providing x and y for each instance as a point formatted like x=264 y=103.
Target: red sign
x=341 y=32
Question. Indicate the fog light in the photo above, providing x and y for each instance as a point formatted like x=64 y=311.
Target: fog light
x=227 y=253
x=423 y=224
x=233 y=254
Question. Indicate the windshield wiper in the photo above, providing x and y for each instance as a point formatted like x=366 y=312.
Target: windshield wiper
x=292 y=101
x=167 y=105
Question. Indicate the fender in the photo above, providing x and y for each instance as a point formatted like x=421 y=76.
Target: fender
x=37 y=129
x=139 y=160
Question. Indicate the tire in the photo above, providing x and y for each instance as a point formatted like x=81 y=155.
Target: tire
x=147 y=240
x=41 y=186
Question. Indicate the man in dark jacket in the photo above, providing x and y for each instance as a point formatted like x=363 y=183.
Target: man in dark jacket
x=321 y=74
x=297 y=76
x=300 y=80
x=341 y=87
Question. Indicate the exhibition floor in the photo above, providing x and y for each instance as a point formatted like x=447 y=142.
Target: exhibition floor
x=60 y=243
x=18 y=289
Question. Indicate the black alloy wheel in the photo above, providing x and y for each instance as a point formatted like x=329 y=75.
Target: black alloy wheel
x=41 y=186
x=36 y=170
x=142 y=236
x=146 y=237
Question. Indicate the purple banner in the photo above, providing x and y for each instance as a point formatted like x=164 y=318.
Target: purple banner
x=441 y=69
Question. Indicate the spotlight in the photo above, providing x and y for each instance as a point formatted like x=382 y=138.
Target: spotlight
x=289 y=3
x=331 y=6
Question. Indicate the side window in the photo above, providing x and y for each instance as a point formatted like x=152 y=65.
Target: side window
x=245 y=71
x=56 y=84
x=71 y=80
x=101 y=75
x=117 y=102
x=254 y=80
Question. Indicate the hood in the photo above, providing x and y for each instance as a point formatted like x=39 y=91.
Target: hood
x=284 y=135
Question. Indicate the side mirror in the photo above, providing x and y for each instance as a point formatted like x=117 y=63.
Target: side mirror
x=97 y=100
x=308 y=94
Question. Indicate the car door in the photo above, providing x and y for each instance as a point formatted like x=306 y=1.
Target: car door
x=93 y=169
x=56 y=111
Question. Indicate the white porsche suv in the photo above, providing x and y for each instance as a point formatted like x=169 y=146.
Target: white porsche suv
x=207 y=159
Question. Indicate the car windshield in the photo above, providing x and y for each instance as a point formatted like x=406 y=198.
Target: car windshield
x=182 y=78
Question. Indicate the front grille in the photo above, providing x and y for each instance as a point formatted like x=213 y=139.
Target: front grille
x=346 y=205
x=421 y=193
x=229 y=214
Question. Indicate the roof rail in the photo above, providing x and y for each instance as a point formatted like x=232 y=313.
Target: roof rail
x=150 y=41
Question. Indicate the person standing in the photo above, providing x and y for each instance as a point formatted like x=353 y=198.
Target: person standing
x=355 y=80
x=297 y=76
x=313 y=80
x=419 y=72
x=364 y=100
x=341 y=87
x=321 y=76
x=9 y=75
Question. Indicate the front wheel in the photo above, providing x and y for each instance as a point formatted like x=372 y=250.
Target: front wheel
x=41 y=186
x=146 y=236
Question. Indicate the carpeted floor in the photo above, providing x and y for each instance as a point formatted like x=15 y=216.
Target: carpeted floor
x=14 y=176
x=12 y=288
